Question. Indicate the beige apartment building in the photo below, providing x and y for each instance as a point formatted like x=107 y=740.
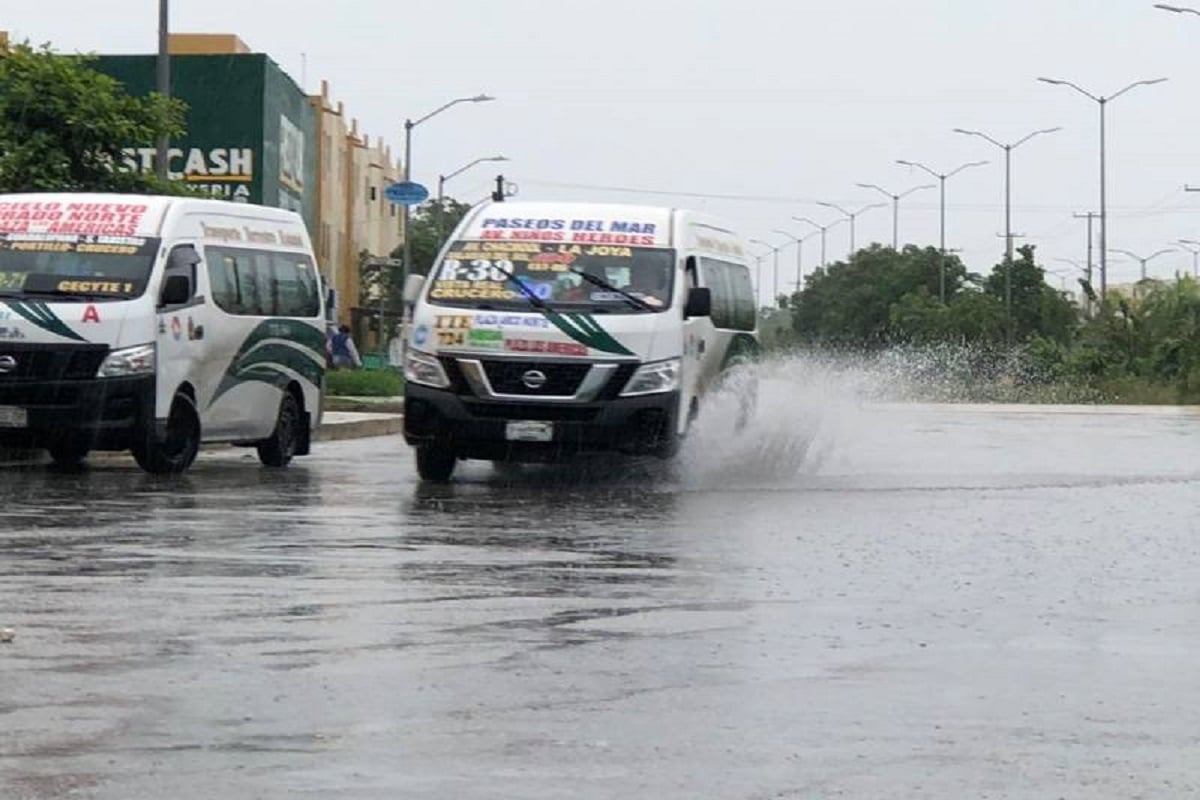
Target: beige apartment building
x=354 y=221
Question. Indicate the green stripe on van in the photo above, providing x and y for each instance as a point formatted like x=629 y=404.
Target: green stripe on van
x=584 y=329
x=40 y=315
x=273 y=351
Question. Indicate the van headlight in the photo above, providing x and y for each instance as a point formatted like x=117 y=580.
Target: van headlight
x=659 y=376
x=128 y=361
x=424 y=369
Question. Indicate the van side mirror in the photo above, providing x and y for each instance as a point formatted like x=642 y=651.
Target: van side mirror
x=412 y=288
x=699 y=302
x=176 y=290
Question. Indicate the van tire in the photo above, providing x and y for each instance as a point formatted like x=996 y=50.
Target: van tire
x=435 y=464
x=278 y=449
x=178 y=450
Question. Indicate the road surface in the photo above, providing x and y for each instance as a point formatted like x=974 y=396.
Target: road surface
x=852 y=601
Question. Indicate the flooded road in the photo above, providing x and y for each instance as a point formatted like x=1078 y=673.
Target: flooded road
x=877 y=601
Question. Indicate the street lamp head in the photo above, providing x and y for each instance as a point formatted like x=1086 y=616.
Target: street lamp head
x=1176 y=9
x=481 y=98
x=1055 y=81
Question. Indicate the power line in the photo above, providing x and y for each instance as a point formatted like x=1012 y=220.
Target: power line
x=795 y=200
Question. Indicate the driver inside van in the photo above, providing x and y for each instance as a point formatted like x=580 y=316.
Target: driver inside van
x=648 y=282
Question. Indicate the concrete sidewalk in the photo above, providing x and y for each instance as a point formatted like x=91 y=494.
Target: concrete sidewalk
x=335 y=426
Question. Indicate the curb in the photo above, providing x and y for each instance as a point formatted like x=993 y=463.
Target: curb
x=342 y=430
x=379 y=425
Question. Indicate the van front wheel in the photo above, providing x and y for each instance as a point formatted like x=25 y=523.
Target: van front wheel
x=178 y=448
x=435 y=464
x=277 y=451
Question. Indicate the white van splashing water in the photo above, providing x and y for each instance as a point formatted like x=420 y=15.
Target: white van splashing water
x=807 y=410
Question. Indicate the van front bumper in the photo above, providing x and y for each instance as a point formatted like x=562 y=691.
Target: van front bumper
x=472 y=427
x=98 y=414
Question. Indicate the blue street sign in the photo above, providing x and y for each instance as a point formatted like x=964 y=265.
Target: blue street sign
x=406 y=193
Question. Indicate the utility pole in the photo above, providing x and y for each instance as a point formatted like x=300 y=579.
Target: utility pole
x=1089 y=216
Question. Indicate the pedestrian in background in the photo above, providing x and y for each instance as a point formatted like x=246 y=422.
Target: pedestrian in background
x=345 y=354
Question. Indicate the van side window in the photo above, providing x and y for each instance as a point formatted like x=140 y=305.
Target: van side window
x=183 y=259
x=221 y=271
x=263 y=283
x=297 y=288
x=732 y=293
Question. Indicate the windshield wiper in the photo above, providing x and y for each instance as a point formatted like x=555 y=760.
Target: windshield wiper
x=533 y=299
x=636 y=301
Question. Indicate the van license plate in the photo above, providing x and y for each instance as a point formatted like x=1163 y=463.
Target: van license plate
x=13 y=417
x=529 y=431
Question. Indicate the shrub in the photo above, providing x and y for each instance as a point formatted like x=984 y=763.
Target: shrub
x=364 y=383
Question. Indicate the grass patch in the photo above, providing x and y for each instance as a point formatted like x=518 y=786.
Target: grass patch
x=364 y=383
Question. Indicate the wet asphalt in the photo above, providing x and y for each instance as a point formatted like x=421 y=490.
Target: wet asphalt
x=861 y=602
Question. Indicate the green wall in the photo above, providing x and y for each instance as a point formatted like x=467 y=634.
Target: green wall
x=238 y=145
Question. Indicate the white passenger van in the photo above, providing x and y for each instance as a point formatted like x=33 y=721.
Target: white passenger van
x=546 y=329
x=156 y=323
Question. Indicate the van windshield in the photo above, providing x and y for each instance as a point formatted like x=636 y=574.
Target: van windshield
x=83 y=267
x=477 y=274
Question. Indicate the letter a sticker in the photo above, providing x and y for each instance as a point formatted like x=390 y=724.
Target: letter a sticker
x=90 y=314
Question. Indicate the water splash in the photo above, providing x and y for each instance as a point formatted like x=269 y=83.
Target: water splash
x=805 y=409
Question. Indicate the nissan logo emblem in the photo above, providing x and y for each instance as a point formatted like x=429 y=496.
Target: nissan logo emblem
x=7 y=363
x=534 y=379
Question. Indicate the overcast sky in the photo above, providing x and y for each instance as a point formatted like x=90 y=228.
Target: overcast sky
x=795 y=101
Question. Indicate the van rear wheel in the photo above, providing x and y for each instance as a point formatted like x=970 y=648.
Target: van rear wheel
x=277 y=451
x=178 y=448
x=434 y=463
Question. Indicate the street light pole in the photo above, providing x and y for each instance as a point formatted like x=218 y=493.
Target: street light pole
x=800 y=260
x=1008 y=236
x=1193 y=247
x=1144 y=261
x=409 y=124
x=1102 y=102
x=775 y=251
x=822 y=229
x=441 y=193
x=942 y=177
x=163 y=148
x=851 y=215
x=896 y=198
x=799 y=255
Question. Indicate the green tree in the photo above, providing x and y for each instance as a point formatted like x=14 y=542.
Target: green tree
x=851 y=302
x=63 y=125
x=430 y=225
x=1037 y=308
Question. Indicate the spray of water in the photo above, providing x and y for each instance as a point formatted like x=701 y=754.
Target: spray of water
x=803 y=407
